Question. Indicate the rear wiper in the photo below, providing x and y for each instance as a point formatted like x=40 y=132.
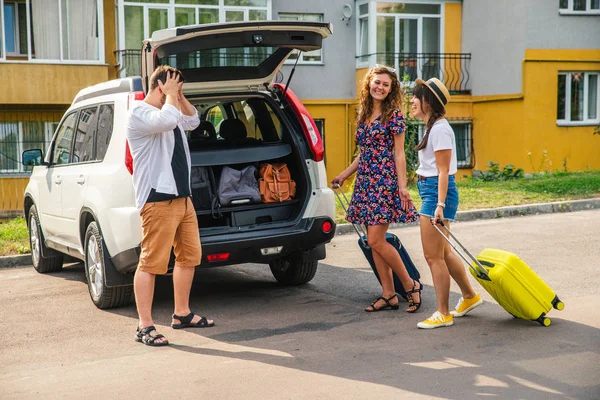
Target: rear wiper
x=291 y=74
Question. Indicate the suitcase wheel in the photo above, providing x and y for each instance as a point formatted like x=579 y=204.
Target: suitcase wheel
x=544 y=321
x=557 y=304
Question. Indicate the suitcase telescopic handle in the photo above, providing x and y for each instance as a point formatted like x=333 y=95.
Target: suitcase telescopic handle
x=345 y=204
x=479 y=270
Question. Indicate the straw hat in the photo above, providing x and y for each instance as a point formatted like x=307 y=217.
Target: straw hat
x=438 y=89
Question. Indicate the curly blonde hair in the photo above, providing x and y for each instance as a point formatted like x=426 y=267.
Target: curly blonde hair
x=392 y=102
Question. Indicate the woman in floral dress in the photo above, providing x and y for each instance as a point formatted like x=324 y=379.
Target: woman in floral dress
x=380 y=195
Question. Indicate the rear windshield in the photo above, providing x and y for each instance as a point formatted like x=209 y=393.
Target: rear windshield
x=235 y=123
x=210 y=58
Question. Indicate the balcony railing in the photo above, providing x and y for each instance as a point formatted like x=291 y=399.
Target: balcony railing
x=450 y=68
x=130 y=62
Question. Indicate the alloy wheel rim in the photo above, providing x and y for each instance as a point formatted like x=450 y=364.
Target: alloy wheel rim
x=34 y=241
x=94 y=267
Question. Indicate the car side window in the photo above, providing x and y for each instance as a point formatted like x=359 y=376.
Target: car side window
x=105 y=129
x=84 y=138
x=61 y=153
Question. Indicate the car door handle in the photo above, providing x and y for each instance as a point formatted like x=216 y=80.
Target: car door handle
x=81 y=180
x=58 y=179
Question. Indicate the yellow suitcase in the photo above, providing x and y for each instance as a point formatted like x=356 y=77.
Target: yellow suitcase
x=515 y=286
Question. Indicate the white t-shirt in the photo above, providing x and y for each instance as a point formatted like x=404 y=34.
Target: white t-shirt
x=152 y=142
x=441 y=137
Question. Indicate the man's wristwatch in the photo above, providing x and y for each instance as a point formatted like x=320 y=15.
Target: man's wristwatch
x=440 y=204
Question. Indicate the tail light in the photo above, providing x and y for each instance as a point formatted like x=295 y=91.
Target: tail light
x=128 y=158
x=308 y=124
x=217 y=257
x=326 y=227
x=134 y=96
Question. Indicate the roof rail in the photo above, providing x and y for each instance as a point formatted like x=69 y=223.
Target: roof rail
x=123 y=85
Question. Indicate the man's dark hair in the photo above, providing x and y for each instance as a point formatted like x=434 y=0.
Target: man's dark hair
x=160 y=74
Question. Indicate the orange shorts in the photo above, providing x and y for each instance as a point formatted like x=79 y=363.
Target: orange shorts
x=167 y=224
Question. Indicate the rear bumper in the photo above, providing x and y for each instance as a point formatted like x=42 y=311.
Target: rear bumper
x=302 y=239
x=305 y=239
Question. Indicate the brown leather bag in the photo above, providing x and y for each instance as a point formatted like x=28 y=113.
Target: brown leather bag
x=276 y=184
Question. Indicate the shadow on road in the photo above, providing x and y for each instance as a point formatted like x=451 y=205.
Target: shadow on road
x=321 y=327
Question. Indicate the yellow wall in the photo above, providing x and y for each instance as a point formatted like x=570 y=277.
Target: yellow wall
x=498 y=132
x=521 y=129
x=11 y=193
x=339 y=128
x=577 y=146
x=47 y=83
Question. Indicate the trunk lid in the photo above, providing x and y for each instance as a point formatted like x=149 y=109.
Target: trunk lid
x=229 y=57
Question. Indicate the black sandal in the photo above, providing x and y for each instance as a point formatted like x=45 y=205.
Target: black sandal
x=143 y=336
x=411 y=302
x=186 y=322
x=388 y=305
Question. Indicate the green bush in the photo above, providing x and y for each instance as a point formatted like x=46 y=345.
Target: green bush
x=494 y=173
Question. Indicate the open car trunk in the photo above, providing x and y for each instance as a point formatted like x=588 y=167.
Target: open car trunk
x=237 y=132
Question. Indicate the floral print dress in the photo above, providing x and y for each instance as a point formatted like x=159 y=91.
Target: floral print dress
x=376 y=197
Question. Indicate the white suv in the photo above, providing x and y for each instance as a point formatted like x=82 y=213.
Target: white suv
x=80 y=199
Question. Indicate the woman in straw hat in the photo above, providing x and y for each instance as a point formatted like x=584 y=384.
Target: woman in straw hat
x=380 y=196
x=437 y=189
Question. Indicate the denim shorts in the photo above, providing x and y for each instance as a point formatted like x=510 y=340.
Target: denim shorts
x=428 y=191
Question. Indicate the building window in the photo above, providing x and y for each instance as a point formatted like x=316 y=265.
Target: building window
x=142 y=17
x=138 y=19
x=578 y=101
x=362 y=34
x=464 y=142
x=58 y=30
x=308 y=57
x=588 y=7
x=15 y=29
x=407 y=38
x=16 y=137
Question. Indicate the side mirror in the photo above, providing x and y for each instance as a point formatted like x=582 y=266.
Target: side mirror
x=33 y=157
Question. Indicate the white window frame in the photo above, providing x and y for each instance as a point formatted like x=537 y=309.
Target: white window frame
x=460 y=164
x=588 y=9
x=586 y=96
x=19 y=52
x=362 y=17
x=301 y=60
x=171 y=6
x=372 y=30
x=61 y=60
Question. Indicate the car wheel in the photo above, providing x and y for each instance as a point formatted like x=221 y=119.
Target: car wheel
x=38 y=248
x=102 y=295
x=292 y=270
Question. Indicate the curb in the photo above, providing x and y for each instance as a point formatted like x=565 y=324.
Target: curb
x=461 y=216
x=503 y=212
x=15 y=261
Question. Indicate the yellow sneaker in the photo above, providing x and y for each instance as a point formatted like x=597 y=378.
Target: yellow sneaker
x=437 y=320
x=466 y=305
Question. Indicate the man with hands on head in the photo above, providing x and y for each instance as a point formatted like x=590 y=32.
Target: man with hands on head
x=161 y=179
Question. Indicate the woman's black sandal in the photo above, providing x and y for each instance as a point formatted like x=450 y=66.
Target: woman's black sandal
x=186 y=322
x=143 y=336
x=388 y=305
x=411 y=302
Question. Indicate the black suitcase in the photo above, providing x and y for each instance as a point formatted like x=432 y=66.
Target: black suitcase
x=391 y=239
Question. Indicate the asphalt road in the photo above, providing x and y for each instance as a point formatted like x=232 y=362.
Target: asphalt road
x=314 y=341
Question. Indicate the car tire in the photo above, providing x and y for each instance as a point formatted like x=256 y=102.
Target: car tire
x=102 y=296
x=291 y=270
x=41 y=263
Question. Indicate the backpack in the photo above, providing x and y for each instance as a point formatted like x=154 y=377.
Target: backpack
x=238 y=187
x=202 y=182
x=276 y=184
